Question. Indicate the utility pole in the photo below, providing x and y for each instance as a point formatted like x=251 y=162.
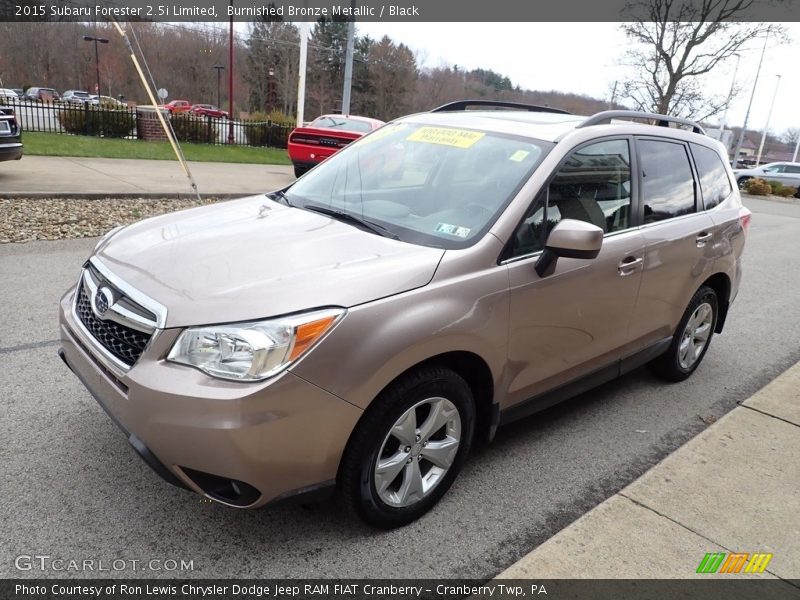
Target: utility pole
x=301 y=78
x=348 y=65
x=749 y=105
x=230 y=79
x=766 y=125
x=730 y=97
x=613 y=96
x=219 y=69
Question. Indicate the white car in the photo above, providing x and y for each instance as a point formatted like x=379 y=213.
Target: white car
x=787 y=173
x=7 y=93
x=75 y=97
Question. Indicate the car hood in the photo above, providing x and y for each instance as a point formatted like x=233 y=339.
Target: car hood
x=254 y=258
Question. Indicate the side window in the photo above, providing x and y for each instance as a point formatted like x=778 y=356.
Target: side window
x=714 y=181
x=792 y=169
x=593 y=185
x=774 y=169
x=667 y=182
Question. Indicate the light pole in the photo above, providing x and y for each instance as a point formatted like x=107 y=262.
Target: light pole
x=749 y=105
x=730 y=97
x=271 y=90
x=219 y=69
x=96 y=40
x=766 y=125
x=230 y=78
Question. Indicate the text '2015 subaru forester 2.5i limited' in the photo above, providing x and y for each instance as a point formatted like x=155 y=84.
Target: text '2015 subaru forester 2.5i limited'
x=446 y=274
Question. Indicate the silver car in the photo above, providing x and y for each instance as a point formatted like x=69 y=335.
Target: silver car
x=787 y=173
x=444 y=275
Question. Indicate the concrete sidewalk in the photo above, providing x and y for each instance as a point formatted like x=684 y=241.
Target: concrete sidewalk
x=733 y=488
x=50 y=176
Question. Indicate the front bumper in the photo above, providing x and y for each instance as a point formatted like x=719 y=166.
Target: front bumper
x=242 y=444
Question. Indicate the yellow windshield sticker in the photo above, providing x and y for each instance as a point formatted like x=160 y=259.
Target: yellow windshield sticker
x=519 y=155
x=382 y=133
x=458 y=138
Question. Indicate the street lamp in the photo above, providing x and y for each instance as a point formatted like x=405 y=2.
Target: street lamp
x=219 y=69
x=270 y=89
x=96 y=40
x=766 y=125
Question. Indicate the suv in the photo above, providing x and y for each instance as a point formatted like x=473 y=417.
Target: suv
x=10 y=135
x=76 y=97
x=42 y=94
x=450 y=272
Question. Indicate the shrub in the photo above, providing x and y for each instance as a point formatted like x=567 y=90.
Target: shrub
x=95 y=121
x=757 y=187
x=781 y=190
x=272 y=129
x=190 y=128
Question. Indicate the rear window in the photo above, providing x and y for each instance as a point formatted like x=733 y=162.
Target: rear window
x=714 y=182
x=667 y=182
x=343 y=124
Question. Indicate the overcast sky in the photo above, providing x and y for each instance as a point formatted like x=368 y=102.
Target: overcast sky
x=583 y=58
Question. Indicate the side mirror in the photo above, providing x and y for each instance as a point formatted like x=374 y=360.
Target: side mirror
x=569 y=239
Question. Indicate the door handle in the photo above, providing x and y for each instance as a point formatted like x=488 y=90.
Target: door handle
x=628 y=266
x=703 y=238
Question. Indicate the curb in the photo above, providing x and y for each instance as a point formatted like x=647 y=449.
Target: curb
x=639 y=534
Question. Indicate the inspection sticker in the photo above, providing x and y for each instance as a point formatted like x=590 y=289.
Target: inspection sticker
x=455 y=230
x=458 y=138
x=519 y=155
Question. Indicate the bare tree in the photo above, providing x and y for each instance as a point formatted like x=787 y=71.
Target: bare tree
x=791 y=135
x=677 y=43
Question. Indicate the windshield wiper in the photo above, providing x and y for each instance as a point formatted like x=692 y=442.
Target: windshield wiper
x=351 y=218
x=279 y=196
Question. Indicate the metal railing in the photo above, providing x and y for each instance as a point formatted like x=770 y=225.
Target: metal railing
x=123 y=122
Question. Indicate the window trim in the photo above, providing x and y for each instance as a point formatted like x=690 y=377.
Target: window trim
x=635 y=221
x=690 y=161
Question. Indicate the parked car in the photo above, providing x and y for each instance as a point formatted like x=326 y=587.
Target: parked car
x=10 y=135
x=361 y=329
x=42 y=94
x=107 y=101
x=208 y=110
x=311 y=144
x=76 y=97
x=8 y=93
x=787 y=173
x=19 y=92
x=177 y=106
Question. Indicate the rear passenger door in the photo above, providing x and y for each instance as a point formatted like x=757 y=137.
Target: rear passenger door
x=678 y=237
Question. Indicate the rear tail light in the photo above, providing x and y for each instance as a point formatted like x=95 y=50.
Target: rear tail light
x=744 y=218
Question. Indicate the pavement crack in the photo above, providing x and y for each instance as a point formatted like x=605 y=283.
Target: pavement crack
x=697 y=533
x=766 y=414
x=22 y=347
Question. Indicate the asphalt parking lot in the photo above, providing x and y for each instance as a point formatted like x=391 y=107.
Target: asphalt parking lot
x=72 y=488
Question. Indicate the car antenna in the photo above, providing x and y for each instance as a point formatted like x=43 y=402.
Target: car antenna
x=176 y=148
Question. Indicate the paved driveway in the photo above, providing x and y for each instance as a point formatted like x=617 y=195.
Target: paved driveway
x=71 y=487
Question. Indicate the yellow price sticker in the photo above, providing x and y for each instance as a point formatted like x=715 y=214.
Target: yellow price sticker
x=519 y=155
x=458 y=138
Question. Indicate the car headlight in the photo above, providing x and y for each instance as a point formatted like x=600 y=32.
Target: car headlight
x=255 y=350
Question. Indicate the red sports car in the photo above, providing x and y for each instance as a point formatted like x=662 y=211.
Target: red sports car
x=309 y=146
x=209 y=110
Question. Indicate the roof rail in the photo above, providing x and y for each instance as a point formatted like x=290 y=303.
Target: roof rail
x=663 y=120
x=463 y=104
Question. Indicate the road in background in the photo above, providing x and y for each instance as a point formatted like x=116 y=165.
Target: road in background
x=74 y=490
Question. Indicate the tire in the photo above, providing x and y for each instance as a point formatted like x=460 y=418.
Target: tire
x=742 y=182
x=685 y=353
x=398 y=495
x=298 y=170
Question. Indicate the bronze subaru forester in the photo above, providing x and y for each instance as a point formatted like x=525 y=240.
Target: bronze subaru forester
x=446 y=274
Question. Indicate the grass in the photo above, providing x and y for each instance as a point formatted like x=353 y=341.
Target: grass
x=56 y=144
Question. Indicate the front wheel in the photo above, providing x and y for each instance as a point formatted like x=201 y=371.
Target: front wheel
x=691 y=339
x=742 y=182
x=408 y=448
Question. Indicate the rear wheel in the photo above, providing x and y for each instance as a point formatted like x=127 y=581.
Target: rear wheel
x=691 y=339
x=742 y=182
x=408 y=448
x=299 y=170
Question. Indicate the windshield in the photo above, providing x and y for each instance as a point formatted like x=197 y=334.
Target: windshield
x=342 y=123
x=435 y=186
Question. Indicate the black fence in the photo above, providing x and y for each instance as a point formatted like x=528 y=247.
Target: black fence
x=123 y=122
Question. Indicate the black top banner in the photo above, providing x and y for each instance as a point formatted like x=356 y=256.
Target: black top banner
x=411 y=11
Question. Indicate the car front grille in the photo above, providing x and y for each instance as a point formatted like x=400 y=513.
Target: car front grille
x=121 y=341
